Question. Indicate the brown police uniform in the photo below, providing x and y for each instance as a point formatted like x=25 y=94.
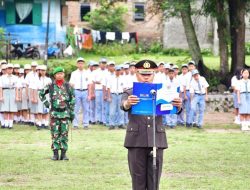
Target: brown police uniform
x=139 y=142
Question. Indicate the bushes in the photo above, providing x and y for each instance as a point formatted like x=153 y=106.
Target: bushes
x=114 y=49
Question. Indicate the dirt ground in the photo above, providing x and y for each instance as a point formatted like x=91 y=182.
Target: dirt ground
x=217 y=118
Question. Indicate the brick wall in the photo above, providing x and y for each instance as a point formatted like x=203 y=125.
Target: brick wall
x=151 y=29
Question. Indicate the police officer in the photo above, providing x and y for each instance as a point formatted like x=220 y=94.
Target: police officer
x=62 y=103
x=139 y=136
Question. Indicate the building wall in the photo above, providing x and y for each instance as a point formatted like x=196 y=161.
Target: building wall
x=150 y=29
x=36 y=34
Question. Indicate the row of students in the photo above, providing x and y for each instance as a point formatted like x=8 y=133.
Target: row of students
x=19 y=88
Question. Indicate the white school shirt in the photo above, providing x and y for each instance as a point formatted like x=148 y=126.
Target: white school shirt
x=98 y=76
x=189 y=78
x=21 y=82
x=183 y=81
x=160 y=77
x=243 y=85
x=172 y=84
x=80 y=79
x=130 y=80
x=194 y=86
x=234 y=82
x=126 y=79
x=32 y=80
x=9 y=81
x=44 y=81
x=115 y=84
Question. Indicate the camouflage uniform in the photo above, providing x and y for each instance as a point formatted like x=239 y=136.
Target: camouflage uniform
x=61 y=112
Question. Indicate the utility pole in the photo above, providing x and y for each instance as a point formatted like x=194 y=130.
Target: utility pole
x=47 y=37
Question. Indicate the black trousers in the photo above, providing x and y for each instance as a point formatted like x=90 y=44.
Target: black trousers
x=140 y=161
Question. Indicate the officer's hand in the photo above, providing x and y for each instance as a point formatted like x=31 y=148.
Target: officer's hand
x=132 y=100
x=177 y=102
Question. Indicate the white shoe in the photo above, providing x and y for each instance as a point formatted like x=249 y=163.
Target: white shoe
x=244 y=126
x=237 y=121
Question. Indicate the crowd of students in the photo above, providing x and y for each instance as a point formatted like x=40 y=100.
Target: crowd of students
x=98 y=89
x=98 y=92
x=19 y=95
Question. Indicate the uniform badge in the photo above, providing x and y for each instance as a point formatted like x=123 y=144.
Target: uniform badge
x=146 y=65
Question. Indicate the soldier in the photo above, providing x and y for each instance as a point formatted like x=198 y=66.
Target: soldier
x=139 y=136
x=61 y=105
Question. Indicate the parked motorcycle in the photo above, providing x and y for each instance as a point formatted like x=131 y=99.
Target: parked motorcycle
x=29 y=52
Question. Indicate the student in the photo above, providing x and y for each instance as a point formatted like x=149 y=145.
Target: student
x=115 y=86
x=243 y=94
x=183 y=80
x=234 y=83
x=43 y=112
x=10 y=97
x=198 y=93
x=172 y=84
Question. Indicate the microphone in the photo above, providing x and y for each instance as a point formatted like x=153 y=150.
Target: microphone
x=153 y=92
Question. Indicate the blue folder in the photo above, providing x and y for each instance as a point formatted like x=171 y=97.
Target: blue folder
x=145 y=106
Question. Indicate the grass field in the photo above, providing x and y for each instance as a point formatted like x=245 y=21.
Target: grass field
x=196 y=159
x=211 y=62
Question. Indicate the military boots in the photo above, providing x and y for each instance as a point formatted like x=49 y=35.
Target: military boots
x=55 y=156
x=63 y=155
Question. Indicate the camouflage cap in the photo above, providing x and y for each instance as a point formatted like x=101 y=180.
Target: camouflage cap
x=58 y=70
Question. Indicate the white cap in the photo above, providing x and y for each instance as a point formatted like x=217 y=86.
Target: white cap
x=126 y=66
x=161 y=63
x=17 y=66
x=9 y=65
x=166 y=66
x=21 y=71
x=195 y=71
x=3 y=66
x=3 y=62
x=111 y=63
x=43 y=67
x=34 y=64
x=103 y=60
x=27 y=66
x=191 y=62
x=175 y=67
x=80 y=59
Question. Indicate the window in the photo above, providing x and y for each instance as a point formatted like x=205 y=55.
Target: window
x=23 y=12
x=85 y=9
x=139 y=12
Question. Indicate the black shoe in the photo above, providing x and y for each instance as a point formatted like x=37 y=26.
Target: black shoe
x=63 y=155
x=46 y=127
x=55 y=156
x=38 y=127
x=121 y=127
x=31 y=124
x=2 y=126
x=194 y=125
x=10 y=127
x=86 y=127
x=75 y=127
x=199 y=126
x=43 y=126
x=111 y=127
x=188 y=125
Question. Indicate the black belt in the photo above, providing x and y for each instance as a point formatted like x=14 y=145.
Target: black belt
x=7 y=88
x=244 y=92
x=117 y=93
x=81 y=90
x=199 y=94
x=59 y=109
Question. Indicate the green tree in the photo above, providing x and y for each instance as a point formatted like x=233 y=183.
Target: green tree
x=219 y=10
x=182 y=9
x=108 y=17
